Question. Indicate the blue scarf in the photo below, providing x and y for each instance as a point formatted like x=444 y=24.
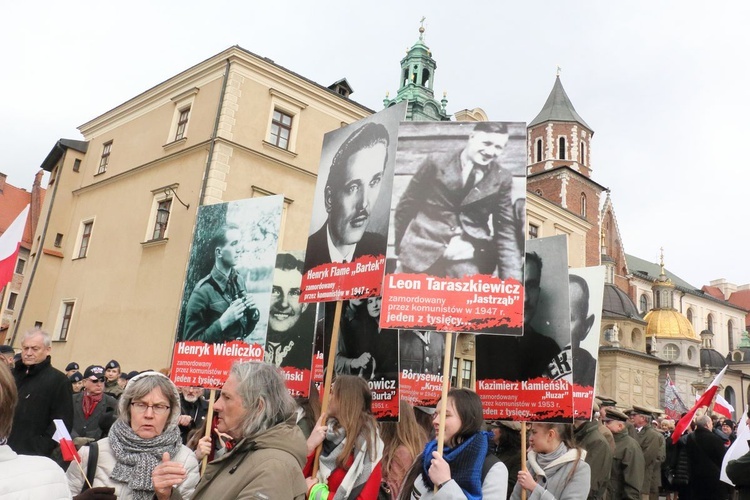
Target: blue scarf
x=465 y=461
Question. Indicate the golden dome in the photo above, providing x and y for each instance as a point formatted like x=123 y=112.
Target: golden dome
x=669 y=323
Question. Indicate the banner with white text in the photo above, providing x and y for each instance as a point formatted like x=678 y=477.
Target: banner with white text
x=226 y=298
x=456 y=239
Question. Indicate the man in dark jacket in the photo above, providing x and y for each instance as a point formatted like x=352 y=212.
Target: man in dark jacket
x=93 y=409
x=705 y=452
x=193 y=410
x=627 y=462
x=598 y=455
x=44 y=394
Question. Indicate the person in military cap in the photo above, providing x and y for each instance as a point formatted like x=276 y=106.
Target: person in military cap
x=91 y=407
x=72 y=368
x=6 y=354
x=598 y=454
x=111 y=374
x=653 y=446
x=601 y=403
x=76 y=382
x=628 y=465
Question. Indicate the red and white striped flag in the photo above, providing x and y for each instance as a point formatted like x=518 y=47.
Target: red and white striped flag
x=67 y=447
x=723 y=407
x=10 y=243
x=705 y=400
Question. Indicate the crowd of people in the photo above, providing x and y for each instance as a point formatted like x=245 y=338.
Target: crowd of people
x=138 y=436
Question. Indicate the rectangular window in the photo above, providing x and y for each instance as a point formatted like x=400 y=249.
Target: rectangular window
x=58 y=240
x=466 y=373
x=20 y=265
x=281 y=129
x=67 y=313
x=162 y=218
x=454 y=373
x=76 y=165
x=85 y=239
x=533 y=231
x=12 y=301
x=106 y=150
x=38 y=324
x=182 y=124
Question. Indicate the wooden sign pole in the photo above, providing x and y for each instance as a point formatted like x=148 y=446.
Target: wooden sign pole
x=209 y=420
x=523 y=455
x=447 y=359
x=329 y=376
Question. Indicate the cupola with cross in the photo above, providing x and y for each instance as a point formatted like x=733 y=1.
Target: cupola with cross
x=416 y=80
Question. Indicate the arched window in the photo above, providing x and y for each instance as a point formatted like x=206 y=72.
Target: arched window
x=426 y=78
x=710 y=323
x=636 y=338
x=644 y=303
x=583 y=153
x=539 y=149
x=690 y=315
x=583 y=205
x=561 y=152
x=729 y=396
x=730 y=334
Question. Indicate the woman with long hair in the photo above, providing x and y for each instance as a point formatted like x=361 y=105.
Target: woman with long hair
x=350 y=462
x=461 y=472
x=402 y=442
x=556 y=466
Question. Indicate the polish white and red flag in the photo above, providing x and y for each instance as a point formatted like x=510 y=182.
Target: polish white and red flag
x=67 y=447
x=704 y=401
x=10 y=243
x=722 y=407
x=673 y=405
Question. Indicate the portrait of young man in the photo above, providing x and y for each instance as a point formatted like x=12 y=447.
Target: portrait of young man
x=291 y=323
x=456 y=216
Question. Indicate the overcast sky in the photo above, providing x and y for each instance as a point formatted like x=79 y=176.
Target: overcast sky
x=663 y=85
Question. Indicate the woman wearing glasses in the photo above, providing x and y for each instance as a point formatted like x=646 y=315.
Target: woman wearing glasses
x=143 y=456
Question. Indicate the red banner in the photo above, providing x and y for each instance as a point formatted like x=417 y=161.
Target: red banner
x=207 y=365
x=420 y=389
x=336 y=281
x=539 y=399
x=477 y=303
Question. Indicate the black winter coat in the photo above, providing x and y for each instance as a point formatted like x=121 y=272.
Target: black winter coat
x=44 y=394
x=705 y=452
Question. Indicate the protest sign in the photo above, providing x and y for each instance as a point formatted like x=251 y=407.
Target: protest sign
x=346 y=247
x=455 y=263
x=516 y=374
x=421 y=369
x=226 y=298
x=291 y=325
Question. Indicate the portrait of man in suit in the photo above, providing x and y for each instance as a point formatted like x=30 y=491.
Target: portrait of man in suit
x=455 y=217
x=352 y=190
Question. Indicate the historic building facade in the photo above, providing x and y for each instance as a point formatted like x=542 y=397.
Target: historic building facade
x=108 y=267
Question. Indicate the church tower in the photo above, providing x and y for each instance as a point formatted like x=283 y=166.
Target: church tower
x=559 y=166
x=415 y=85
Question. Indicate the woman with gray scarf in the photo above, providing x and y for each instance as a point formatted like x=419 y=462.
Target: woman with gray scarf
x=556 y=469
x=143 y=457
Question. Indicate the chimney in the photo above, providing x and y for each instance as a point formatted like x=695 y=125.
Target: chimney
x=2 y=181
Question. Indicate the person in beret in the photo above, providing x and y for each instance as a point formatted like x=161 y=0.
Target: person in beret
x=112 y=374
x=71 y=368
x=628 y=465
x=76 y=382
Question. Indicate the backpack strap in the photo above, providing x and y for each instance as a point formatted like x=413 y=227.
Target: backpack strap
x=489 y=461
x=91 y=465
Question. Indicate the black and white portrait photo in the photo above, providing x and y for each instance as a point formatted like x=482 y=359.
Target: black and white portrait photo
x=228 y=283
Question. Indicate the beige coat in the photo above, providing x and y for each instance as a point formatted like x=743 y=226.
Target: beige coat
x=269 y=466
x=106 y=463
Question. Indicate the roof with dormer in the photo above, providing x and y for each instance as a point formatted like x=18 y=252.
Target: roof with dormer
x=558 y=108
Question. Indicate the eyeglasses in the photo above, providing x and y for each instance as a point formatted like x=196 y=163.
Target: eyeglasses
x=142 y=407
x=97 y=380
